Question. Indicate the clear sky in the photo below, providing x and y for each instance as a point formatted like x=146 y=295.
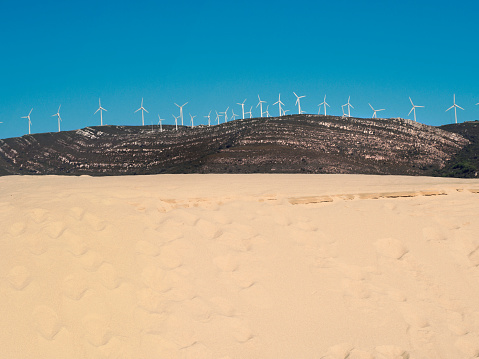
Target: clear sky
x=214 y=54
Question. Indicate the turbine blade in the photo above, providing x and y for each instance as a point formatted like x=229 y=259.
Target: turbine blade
x=449 y=108
x=177 y=105
x=460 y=107
x=410 y=111
x=411 y=101
x=30 y=112
x=96 y=111
x=145 y=110
x=371 y=106
x=137 y=110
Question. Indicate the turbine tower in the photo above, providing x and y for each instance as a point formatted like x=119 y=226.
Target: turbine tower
x=250 y=115
x=260 y=104
x=217 y=117
x=159 y=122
x=29 y=121
x=226 y=114
x=233 y=115
x=279 y=104
x=413 y=109
x=242 y=106
x=325 y=104
x=374 y=114
x=101 y=109
x=267 y=111
x=181 y=111
x=59 y=118
x=298 y=102
x=349 y=107
x=192 y=117
x=455 y=108
x=209 y=121
x=143 y=110
x=176 y=121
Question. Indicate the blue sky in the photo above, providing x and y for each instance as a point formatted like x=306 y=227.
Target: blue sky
x=214 y=54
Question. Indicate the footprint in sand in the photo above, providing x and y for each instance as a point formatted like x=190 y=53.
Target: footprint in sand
x=54 y=229
x=108 y=276
x=147 y=248
x=39 y=215
x=390 y=352
x=96 y=330
x=198 y=309
x=433 y=234
x=390 y=248
x=94 y=222
x=241 y=330
x=151 y=301
x=77 y=213
x=91 y=261
x=169 y=257
x=75 y=286
x=156 y=279
x=178 y=333
x=474 y=257
x=73 y=243
x=37 y=244
x=338 y=351
x=223 y=307
x=46 y=322
x=226 y=263
x=414 y=318
x=17 y=228
x=19 y=277
x=208 y=229
x=468 y=345
x=198 y=351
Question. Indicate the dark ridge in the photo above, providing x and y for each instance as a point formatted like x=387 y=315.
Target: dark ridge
x=288 y=144
x=464 y=163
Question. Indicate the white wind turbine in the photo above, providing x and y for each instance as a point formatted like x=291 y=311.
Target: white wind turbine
x=267 y=111
x=101 y=109
x=260 y=104
x=455 y=108
x=59 y=118
x=413 y=109
x=181 y=111
x=29 y=121
x=217 y=117
x=298 y=102
x=176 y=121
x=325 y=104
x=349 y=107
x=242 y=106
x=208 y=117
x=250 y=109
x=143 y=110
x=233 y=116
x=279 y=104
x=159 y=122
x=192 y=117
x=226 y=114
x=374 y=114
x=284 y=112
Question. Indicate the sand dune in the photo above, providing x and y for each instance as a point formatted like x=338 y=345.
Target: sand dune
x=239 y=266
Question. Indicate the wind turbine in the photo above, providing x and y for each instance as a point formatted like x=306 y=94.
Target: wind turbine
x=413 y=109
x=374 y=114
x=349 y=107
x=284 y=112
x=209 y=123
x=325 y=104
x=298 y=102
x=226 y=114
x=260 y=104
x=176 y=121
x=267 y=111
x=159 y=122
x=217 y=117
x=455 y=108
x=181 y=111
x=192 y=117
x=279 y=104
x=242 y=106
x=29 y=121
x=101 y=109
x=250 y=115
x=233 y=115
x=59 y=118
x=143 y=110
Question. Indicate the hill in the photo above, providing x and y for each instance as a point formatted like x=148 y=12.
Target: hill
x=288 y=144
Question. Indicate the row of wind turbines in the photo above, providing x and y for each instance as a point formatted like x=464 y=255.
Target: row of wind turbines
x=219 y=115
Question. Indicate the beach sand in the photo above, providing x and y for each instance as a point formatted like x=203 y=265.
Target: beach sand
x=239 y=266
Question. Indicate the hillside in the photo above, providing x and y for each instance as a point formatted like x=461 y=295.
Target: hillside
x=288 y=144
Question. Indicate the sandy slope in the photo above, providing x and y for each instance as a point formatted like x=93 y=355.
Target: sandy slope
x=239 y=266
